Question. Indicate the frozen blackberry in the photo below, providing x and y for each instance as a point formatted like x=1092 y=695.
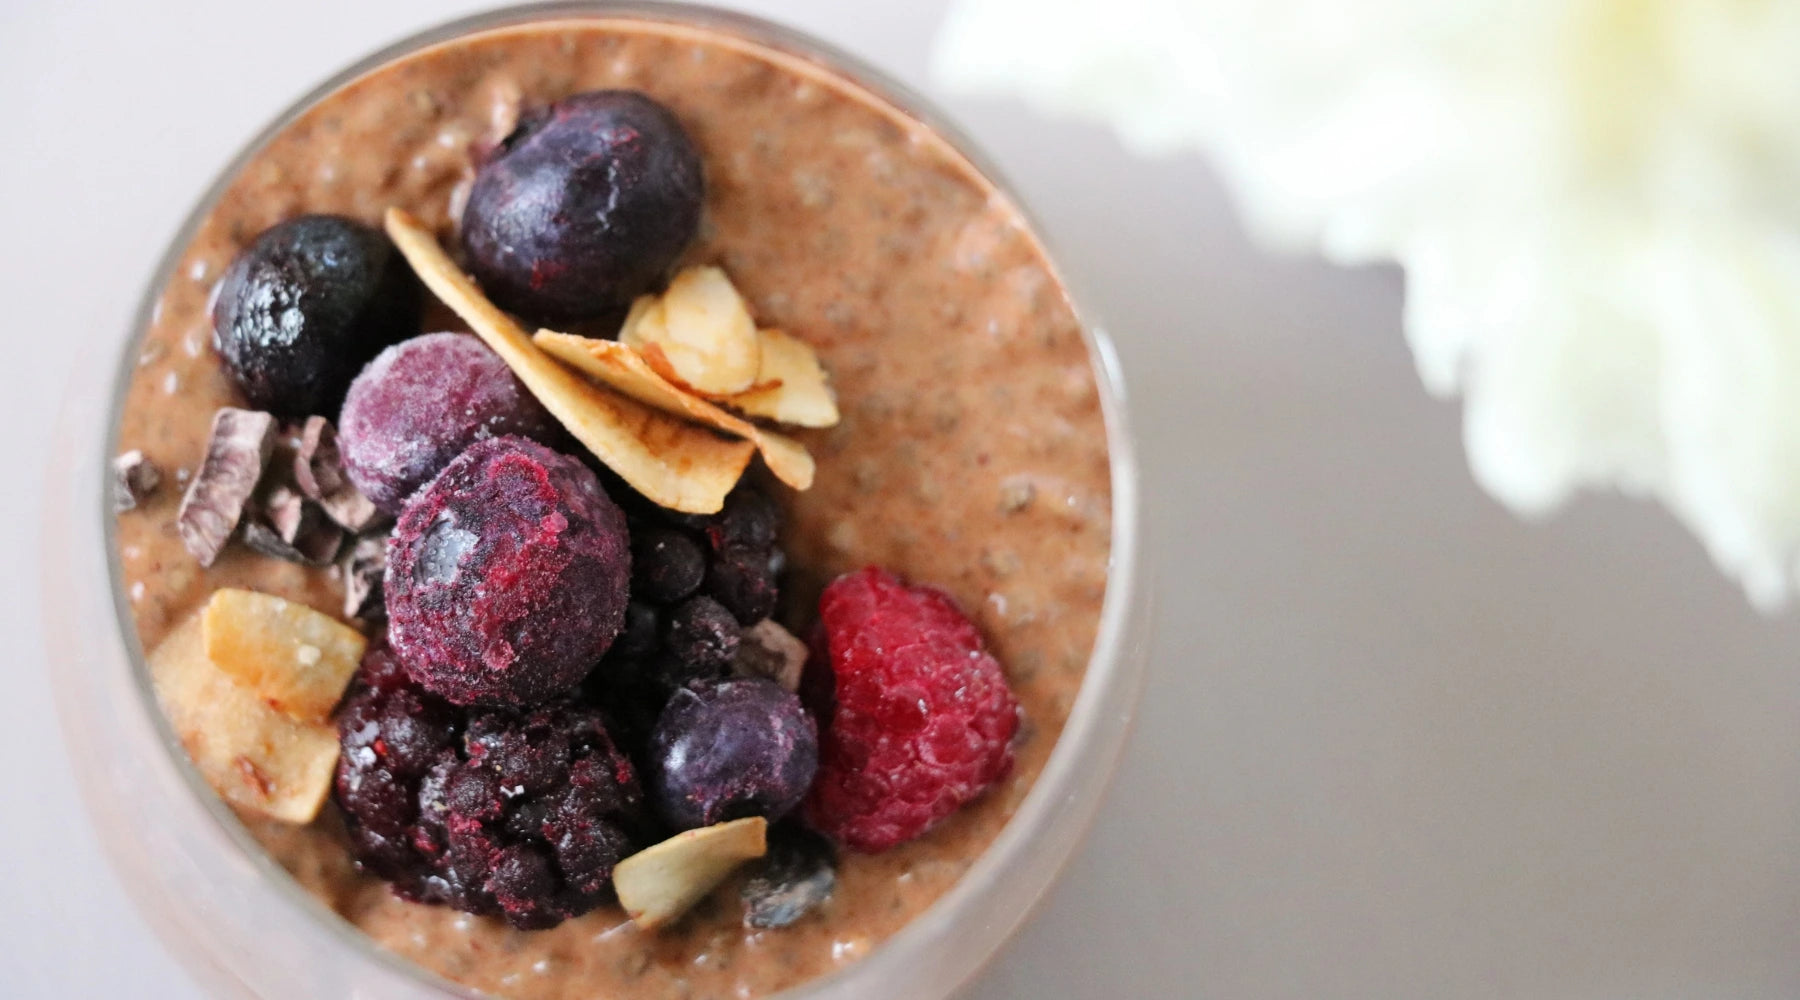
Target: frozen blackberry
x=522 y=815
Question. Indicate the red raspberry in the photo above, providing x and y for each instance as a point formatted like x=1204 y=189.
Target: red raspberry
x=919 y=719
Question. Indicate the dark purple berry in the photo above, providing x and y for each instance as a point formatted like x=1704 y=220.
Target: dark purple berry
x=641 y=633
x=724 y=750
x=507 y=576
x=584 y=207
x=743 y=580
x=796 y=877
x=666 y=565
x=521 y=815
x=702 y=635
x=525 y=886
x=420 y=403
x=303 y=307
x=750 y=520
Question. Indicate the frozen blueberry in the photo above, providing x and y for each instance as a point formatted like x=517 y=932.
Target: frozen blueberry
x=507 y=576
x=305 y=305
x=749 y=521
x=584 y=206
x=420 y=403
x=640 y=636
x=795 y=878
x=724 y=750
x=743 y=580
x=702 y=634
x=666 y=565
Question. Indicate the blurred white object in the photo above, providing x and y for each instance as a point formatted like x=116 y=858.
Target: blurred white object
x=1597 y=204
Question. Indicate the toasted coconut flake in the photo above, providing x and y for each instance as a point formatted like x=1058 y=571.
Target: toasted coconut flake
x=658 y=884
x=250 y=753
x=792 y=387
x=297 y=660
x=625 y=370
x=674 y=463
x=704 y=330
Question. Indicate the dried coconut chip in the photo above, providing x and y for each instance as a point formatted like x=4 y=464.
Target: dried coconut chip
x=236 y=453
x=791 y=387
x=671 y=462
x=624 y=369
x=134 y=479
x=319 y=472
x=294 y=658
x=660 y=883
x=703 y=330
x=251 y=754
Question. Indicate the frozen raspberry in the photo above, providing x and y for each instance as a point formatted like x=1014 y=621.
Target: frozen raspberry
x=507 y=576
x=724 y=750
x=420 y=403
x=921 y=722
x=522 y=815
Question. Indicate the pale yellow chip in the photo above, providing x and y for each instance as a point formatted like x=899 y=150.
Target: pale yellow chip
x=250 y=753
x=674 y=463
x=294 y=658
x=703 y=328
x=658 y=884
x=791 y=386
x=625 y=370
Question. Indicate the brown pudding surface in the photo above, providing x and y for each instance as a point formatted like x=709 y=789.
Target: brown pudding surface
x=972 y=453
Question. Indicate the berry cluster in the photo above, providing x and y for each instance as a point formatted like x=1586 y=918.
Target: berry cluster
x=517 y=813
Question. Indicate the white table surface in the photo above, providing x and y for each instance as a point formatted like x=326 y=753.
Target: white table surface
x=1397 y=746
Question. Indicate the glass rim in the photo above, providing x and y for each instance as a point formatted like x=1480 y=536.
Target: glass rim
x=1106 y=659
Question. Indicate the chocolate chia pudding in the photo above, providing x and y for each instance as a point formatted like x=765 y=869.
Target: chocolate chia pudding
x=970 y=456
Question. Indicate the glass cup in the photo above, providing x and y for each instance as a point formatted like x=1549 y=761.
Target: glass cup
x=235 y=918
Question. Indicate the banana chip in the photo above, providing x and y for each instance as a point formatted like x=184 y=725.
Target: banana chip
x=625 y=370
x=672 y=462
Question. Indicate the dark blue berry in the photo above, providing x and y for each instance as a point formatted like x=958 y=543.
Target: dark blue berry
x=743 y=580
x=702 y=635
x=724 y=750
x=305 y=306
x=584 y=207
x=666 y=565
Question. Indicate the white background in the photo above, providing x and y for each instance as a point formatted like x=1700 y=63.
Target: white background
x=1397 y=745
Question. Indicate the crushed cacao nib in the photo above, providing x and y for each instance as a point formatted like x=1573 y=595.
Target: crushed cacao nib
x=798 y=874
x=236 y=453
x=293 y=528
x=363 y=567
x=768 y=650
x=135 y=478
x=319 y=472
